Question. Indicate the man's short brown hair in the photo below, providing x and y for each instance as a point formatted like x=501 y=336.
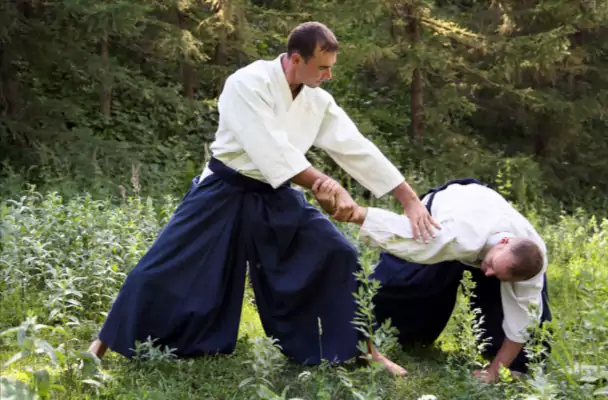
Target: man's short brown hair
x=305 y=38
x=528 y=259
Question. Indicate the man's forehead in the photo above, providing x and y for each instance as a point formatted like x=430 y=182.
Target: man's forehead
x=324 y=58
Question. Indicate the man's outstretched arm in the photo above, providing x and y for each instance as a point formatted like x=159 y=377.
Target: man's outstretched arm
x=391 y=231
x=361 y=159
x=505 y=356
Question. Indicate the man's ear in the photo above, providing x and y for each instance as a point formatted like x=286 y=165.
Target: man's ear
x=296 y=58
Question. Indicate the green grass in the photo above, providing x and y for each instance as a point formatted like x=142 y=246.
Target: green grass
x=61 y=263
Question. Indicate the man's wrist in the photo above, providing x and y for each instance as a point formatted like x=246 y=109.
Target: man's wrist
x=404 y=194
x=308 y=177
x=359 y=215
x=494 y=367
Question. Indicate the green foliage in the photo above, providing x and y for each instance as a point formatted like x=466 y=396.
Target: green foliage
x=62 y=262
x=91 y=91
x=117 y=99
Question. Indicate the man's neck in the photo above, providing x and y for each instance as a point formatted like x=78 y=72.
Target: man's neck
x=294 y=86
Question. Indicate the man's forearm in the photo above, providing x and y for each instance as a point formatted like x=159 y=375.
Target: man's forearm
x=404 y=193
x=505 y=356
x=307 y=177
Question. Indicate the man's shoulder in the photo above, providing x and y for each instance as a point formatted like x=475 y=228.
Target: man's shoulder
x=256 y=72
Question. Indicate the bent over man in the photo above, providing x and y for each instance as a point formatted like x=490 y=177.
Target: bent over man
x=187 y=290
x=480 y=232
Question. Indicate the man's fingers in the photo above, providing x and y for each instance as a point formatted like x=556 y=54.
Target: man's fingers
x=333 y=187
x=428 y=226
x=415 y=230
x=434 y=222
x=344 y=210
x=339 y=210
x=422 y=227
x=315 y=186
x=328 y=186
x=339 y=214
x=325 y=186
x=347 y=216
x=422 y=230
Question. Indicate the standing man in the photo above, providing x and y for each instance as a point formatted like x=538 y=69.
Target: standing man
x=187 y=290
x=481 y=232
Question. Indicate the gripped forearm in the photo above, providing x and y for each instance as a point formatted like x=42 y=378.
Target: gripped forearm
x=308 y=177
x=506 y=354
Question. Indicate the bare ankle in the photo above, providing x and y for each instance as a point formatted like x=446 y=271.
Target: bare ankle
x=389 y=365
x=98 y=348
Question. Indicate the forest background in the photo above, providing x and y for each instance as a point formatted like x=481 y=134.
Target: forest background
x=107 y=109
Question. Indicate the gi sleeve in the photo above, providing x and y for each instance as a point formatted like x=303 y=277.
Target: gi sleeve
x=245 y=106
x=392 y=232
x=522 y=306
x=354 y=153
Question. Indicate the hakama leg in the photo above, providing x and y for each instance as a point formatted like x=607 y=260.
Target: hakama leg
x=419 y=299
x=303 y=278
x=187 y=290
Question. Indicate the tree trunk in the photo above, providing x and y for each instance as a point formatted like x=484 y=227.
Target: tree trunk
x=417 y=105
x=188 y=71
x=105 y=93
x=417 y=87
x=10 y=90
x=546 y=129
x=220 y=56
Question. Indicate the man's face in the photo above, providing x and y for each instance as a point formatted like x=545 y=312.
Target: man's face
x=316 y=70
x=499 y=261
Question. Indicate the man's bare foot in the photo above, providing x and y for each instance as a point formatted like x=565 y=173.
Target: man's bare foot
x=392 y=367
x=98 y=348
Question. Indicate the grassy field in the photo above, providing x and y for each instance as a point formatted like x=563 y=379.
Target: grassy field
x=62 y=262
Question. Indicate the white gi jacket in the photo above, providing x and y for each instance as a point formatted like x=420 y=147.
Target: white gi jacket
x=264 y=133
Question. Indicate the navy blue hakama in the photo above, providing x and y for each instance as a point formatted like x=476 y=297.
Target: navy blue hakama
x=187 y=290
x=419 y=299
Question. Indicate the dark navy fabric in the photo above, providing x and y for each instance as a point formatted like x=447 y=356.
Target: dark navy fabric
x=419 y=299
x=187 y=290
